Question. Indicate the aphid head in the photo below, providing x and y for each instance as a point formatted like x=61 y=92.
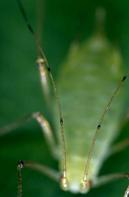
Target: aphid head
x=75 y=186
x=85 y=186
x=64 y=182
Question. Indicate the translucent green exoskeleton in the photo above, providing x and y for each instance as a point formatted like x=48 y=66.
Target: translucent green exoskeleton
x=88 y=82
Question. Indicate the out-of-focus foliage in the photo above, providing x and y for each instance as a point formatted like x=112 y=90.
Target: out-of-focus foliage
x=20 y=89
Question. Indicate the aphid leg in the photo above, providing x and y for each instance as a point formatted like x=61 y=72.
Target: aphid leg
x=54 y=175
x=112 y=177
x=47 y=132
x=44 y=79
x=119 y=146
x=12 y=126
x=44 y=124
x=126 y=192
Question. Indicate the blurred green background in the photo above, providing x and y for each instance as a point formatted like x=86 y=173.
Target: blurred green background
x=20 y=89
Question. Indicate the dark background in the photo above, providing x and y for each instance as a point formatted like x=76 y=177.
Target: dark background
x=20 y=89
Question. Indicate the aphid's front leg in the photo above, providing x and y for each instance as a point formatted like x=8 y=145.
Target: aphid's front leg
x=44 y=124
x=112 y=177
x=37 y=167
x=47 y=132
x=127 y=192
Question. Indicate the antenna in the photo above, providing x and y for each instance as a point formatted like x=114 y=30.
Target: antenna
x=85 y=180
x=42 y=62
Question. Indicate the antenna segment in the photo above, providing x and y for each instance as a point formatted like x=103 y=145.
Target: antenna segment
x=42 y=62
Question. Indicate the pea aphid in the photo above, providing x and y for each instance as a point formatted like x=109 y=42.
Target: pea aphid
x=87 y=80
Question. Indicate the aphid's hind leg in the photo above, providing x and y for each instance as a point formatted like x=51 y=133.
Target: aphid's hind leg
x=112 y=177
x=44 y=124
x=119 y=146
x=37 y=167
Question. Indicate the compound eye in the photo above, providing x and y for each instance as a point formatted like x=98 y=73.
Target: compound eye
x=64 y=182
x=85 y=186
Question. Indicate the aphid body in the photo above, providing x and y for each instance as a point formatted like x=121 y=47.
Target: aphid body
x=87 y=85
x=86 y=82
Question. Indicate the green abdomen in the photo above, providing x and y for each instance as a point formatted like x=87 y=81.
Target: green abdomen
x=86 y=82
